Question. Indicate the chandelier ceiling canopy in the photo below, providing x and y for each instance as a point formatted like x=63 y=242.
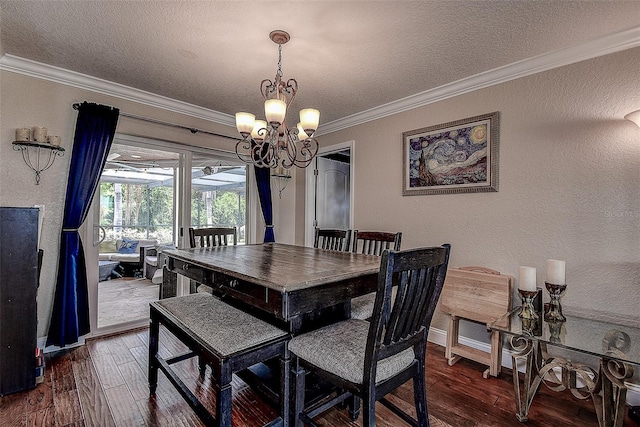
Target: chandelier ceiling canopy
x=271 y=143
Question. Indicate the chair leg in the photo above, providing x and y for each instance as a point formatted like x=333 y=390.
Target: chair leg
x=285 y=387
x=369 y=410
x=420 y=396
x=298 y=394
x=354 y=407
x=154 y=330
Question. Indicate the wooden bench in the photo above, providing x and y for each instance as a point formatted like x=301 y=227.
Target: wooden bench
x=223 y=337
x=481 y=295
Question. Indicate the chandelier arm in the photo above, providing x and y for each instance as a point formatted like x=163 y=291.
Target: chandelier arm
x=266 y=86
x=291 y=88
x=260 y=155
x=290 y=149
x=245 y=157
x=308 y=151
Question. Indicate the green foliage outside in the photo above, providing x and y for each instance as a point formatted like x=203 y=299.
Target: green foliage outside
x=218 y=209
x=147 y=213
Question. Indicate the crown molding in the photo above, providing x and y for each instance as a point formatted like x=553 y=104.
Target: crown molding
x=597 y=47
x=42 y=71
x=594 y=48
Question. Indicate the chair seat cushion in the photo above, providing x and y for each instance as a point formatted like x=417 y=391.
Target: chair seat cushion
x=362 y=306
x=224 y=329
x=339 y=349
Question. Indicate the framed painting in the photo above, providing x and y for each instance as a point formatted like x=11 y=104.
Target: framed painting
x=454 y=157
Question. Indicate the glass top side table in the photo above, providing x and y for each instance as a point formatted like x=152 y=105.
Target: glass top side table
x=617 y=347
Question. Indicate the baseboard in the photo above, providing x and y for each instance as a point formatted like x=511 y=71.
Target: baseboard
x=439 y=336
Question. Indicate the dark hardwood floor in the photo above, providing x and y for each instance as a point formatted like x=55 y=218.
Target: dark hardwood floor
x=104 y=384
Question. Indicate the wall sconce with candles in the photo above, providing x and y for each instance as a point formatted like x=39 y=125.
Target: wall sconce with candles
x=39 y=153
x=270 y=143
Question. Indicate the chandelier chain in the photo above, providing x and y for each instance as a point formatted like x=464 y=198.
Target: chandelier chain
x=279 y=73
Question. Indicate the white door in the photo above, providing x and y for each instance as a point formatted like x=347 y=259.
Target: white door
x=333 y=192
x=329 y=197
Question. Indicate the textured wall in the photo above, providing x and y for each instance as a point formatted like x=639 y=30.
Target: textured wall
x=27 y=102
x=569 y=179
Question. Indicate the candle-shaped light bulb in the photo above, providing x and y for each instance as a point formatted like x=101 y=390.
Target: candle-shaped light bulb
x=527 y=279
x=309 y=119
x=244 y=123
x=275 y=110
x=555 y=272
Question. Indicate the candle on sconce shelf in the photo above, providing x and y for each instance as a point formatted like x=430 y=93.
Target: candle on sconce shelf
x=23 y=134
x=40 y=134
x=54 y=140
x=527 y=279
x=555 y=272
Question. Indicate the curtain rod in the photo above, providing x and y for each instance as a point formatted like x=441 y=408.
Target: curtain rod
x=173 y=125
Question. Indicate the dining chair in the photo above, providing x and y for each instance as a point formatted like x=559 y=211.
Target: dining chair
x=332 y=239
x=370 y=359
x=213 y=236
x=207 y=238
x=371 y=243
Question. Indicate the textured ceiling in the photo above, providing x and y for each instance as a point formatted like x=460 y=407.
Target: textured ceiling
x=347 y=56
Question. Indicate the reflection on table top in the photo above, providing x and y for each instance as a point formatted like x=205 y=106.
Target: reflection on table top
x=281 y=267
x=589 y=336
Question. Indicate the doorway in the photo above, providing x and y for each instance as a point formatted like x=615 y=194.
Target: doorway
x=329 y=198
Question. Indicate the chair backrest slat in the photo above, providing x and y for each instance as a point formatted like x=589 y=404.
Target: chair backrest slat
x=396 y=325
x=375 y=242
x=332 y=239
x=212 y=236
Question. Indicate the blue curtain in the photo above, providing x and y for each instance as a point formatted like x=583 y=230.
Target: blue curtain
x=263 y=179
x=95 y=128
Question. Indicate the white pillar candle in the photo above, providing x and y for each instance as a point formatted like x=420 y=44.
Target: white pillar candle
x=40 y=134
x=53 y=140
x=555 y=272
x=23 y=134
x=527 y=279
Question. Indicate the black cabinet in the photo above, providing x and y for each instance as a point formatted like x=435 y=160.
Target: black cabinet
x=18 y=291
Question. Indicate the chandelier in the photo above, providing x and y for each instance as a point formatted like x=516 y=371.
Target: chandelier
x=270 y=143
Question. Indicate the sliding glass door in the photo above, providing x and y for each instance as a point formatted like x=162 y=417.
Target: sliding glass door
x=150 y=193
x=218 y=194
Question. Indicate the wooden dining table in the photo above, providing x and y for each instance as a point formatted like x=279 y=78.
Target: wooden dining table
x=297 y=287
